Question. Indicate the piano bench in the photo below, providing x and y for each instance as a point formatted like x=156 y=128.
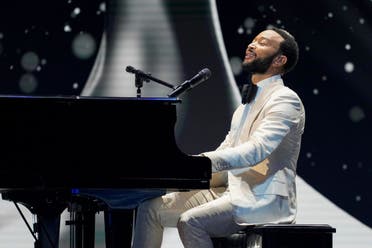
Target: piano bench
x=279 y=236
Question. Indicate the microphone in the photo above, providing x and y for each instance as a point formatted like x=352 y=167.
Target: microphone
x=131 y=69
x=191 y=83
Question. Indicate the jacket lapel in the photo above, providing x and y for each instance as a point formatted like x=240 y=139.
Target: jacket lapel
x=262 y=98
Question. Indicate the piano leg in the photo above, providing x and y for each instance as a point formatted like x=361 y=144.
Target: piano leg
x=47 y=227
x=119 y=227
x=48 y=207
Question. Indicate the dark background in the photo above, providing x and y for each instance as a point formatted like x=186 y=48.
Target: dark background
x=47 y=29
x=333 y=76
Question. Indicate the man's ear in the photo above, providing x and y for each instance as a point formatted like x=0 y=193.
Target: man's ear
x=280 y=60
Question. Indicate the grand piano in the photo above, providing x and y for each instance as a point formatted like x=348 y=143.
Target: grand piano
x=54 y=148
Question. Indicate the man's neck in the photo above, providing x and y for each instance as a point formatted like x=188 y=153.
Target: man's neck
x=256 y=78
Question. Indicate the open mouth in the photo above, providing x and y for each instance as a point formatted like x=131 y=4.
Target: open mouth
x=249 y=55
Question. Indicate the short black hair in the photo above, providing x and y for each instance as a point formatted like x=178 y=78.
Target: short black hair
x=289 y=48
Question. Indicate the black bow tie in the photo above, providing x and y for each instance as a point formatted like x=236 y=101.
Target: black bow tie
x=248 y=92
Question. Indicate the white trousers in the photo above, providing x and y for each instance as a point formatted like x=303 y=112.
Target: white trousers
x=198 y=215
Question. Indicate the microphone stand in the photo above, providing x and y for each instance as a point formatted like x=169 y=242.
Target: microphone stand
x=141 y=77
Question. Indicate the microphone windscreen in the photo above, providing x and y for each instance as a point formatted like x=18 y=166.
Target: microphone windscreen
x=130 y=69
x=206 y=73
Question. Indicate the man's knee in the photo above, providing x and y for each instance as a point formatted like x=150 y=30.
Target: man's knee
x=148 y=206
x=186 y=221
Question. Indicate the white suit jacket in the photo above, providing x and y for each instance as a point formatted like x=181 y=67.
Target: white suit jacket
x=259 y=155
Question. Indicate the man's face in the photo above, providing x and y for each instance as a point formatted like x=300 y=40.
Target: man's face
x=261 y=51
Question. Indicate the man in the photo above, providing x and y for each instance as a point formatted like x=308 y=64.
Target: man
x=254 y=168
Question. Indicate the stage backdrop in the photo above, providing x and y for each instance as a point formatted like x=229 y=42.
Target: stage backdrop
x=73 y=47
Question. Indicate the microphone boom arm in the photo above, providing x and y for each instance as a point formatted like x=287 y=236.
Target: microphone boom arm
x=185 y=86
x=159 y=81
x=140 y=76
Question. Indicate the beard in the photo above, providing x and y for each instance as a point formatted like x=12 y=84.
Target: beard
x=259 y=66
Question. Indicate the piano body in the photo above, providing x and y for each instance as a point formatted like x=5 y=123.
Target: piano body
x=52 y=147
